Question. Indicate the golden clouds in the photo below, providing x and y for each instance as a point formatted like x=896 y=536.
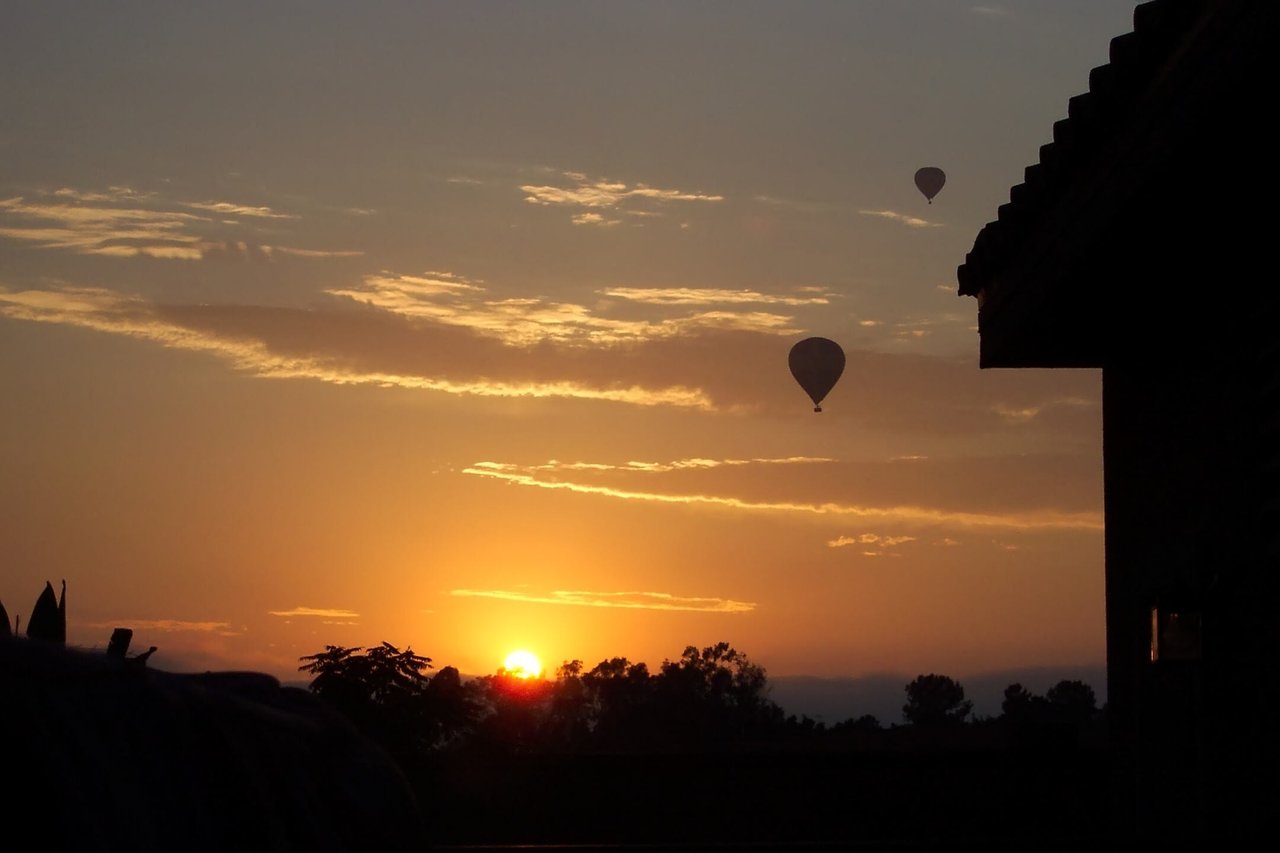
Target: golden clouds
x=902 y=218
x=126 y=223
x=695 y=463
x=1026 y=413
x=81 y=224
x=1029 y=520
x=443 y=332
x=223 y=629
x=527 y=321
x=623 y=600
x=322 y=612
x=313 y=253
x=708 y=295
x=596 y=194
x=231 y=208
x=591 y=218
x=106 y=311
x=872 y=544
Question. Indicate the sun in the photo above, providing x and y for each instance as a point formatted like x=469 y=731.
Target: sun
x=523 y=664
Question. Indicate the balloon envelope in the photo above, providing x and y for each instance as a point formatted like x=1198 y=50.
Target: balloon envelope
x=816 y=363
x=929 y=181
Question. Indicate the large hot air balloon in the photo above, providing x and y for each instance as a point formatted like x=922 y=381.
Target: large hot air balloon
x=929 y=181
x=816 y=363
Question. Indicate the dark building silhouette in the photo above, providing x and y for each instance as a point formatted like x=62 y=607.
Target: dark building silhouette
x=1142 y=244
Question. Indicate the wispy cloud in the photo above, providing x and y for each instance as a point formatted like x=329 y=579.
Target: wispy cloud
x=223 y=629
x=69 y=222
x=404 y=294
x=591 y=218
x=457 y=339
x=1047 y=519
x=695 y=463
x=872 y=544
x=122 y=222
x=709 y=296
x=233 y=209
x=624 y=600
x=106 y=311
x=903 y=218
x=322 y=612
x=595 y=194
x=527 y=321
x=800 y=206
x=313 y=253
x=915 y=328
x=1025 y=413
x=113 y=193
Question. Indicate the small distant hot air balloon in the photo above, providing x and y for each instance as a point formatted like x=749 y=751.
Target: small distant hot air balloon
x=929 y=181
x=816 y=363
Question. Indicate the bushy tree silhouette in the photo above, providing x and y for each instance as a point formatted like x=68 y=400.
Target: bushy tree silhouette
x=383 y=691
x=1057 y=719
x=935 y=700
x=513 y=713
x=620 y=697
x=715 y=694
x=1072 y=702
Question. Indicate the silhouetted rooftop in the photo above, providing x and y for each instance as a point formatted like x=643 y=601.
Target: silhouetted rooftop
x=1178 y=92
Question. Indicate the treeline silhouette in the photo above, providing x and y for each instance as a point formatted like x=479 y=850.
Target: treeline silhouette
x=714 y=698
x=696 y=752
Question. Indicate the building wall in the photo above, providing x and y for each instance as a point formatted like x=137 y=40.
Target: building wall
x=1191 y=452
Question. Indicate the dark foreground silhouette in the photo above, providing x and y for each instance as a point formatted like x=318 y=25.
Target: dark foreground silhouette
x=105 y=755
x=112 y=754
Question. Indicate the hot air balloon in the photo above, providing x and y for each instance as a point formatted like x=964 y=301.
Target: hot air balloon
x=929 y=181
x=816 y=363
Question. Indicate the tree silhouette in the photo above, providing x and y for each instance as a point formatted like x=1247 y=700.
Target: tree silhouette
x=383 y=691
x=620 y=696
x=714 y=694
x=935 y=700
x=569 y=714
x=1072 y=702
x=448 y=707
x=513 y=713
x=1018 y=701
x=1055 y=720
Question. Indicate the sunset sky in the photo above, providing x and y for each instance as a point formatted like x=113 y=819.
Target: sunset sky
x=464 y=326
